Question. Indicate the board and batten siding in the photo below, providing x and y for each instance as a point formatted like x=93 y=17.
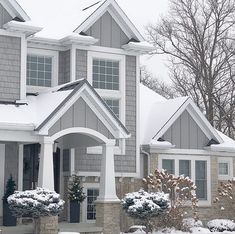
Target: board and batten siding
x=4 y=16
x=80 y=115
x=108 y=32
x=64 y=67
x=10 y=62
x=186 y=134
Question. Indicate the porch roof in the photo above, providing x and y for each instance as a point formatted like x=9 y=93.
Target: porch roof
x=40 y=108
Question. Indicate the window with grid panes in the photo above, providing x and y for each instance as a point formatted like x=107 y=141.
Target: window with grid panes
x=113 y=105
x=105 y=74
x=92 y=195
x=39 y=70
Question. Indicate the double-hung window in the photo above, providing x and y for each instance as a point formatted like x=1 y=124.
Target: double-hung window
x=225 y=168
x=195 y=167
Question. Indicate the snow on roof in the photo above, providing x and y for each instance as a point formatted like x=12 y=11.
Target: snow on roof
x=155 y=111
x=34 y=112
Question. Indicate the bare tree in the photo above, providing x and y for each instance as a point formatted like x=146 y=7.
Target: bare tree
x=152 y=82
x=198 y=36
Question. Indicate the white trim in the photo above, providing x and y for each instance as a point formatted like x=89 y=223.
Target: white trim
x=126 y=23
x=20 y=166
x=84 y=204
x=72 y=63
x=55 y=69
x=72 y=161
x=2 y=175
x=23 y=69
x=110 y=94
x=138 y=170
x=117 y=174
x=18 y=136
x=229 y=161
x=192 y=158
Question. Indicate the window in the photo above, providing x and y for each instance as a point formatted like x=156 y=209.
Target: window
x=39 y=70
x=105 y=74
x=225 y=168
x=113 y=105
x=92 y=195
x=195 y=167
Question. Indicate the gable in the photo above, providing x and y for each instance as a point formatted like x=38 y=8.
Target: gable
x=4 y=16
x=185 y=133
x=108 y=32
x=80 y=115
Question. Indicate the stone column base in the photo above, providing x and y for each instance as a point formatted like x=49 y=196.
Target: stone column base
x=108 y=216
x=46 y=225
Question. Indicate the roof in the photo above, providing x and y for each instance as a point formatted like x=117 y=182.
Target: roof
x=38 y=111
x=67 y=17
x=158 y=114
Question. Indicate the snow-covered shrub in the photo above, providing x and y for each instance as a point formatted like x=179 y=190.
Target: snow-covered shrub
x=181 y=190
x=220 y=225
x=189 y=223
x=137 y=229
x=35 y=203
x=144 y=206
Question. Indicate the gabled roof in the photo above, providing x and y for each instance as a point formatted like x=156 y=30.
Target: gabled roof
x=41 y=111
x=14 y=9
x=116 y=11
x=158 y=115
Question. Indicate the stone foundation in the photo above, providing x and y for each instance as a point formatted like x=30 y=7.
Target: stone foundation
x=46 y=225
x=108 y=217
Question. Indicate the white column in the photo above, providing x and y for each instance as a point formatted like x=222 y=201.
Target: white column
x=107 y=174
x=46 y=169
x=20 y=167
x=72 y=161
x=2 y=174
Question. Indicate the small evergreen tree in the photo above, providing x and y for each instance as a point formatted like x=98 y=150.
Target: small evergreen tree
x=10 y=188
x=144 y=206
x=75 y=190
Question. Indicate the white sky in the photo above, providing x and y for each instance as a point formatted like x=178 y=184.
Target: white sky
x=65 y=16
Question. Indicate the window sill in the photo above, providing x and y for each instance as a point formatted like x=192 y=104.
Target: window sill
x=224 y=177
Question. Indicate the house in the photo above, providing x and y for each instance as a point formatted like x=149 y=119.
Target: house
x=176 y=136
x=70 y=100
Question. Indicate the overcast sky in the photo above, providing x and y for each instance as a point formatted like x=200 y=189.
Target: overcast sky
x=65 y=13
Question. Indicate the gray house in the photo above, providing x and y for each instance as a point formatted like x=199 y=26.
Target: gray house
x=70 y=102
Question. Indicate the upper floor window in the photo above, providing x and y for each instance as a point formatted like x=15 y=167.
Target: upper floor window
x=113 y=105
x=39 y=70
x=105 y=74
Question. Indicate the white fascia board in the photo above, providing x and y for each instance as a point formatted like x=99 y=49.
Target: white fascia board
x=18 y=10
x=138 y=48
x=172 y=119
x=77 y=39
x=14 y=26
x=207 y=126
x=127 y=25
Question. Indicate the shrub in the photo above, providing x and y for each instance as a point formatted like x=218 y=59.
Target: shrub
x=189 y=223
x=35 y=203
x=143 y=206
x=220 y=225
x=10 y=189
x=182 y=191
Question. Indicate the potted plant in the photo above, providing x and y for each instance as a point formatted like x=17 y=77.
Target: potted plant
x=41 y=204
x=76 y=196
x=8 y=218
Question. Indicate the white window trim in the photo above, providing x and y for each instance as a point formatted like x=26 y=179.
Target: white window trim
x=192 y=159
x=228 y=160
x=55 y=67
x=84 y=204
x=110 y=94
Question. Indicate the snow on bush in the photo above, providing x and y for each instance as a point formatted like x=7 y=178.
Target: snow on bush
x=35 y=203
x=189 y=223
x=143 y=205
x=220 y=225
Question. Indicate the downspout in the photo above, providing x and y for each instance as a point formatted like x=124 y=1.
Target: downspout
x=148 y=156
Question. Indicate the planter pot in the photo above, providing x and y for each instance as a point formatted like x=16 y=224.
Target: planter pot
x=46 y=225
x=8 y=218
x=74 y=212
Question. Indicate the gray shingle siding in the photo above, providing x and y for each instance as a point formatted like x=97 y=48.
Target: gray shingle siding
x=81 y=64
x=4 y=16
x=10 y=62
x=64 y=67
